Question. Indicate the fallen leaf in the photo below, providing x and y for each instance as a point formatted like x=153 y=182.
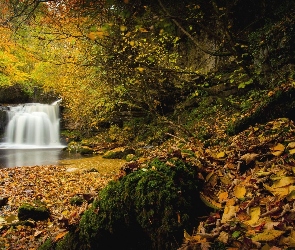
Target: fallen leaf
x=291 y=145
x=236 y=234
x=285 y=181
x=292 y=151
x=37 y=233
x=279 y=192
x=240 y=192
x=220 y=155
x=230 y=202
x=242 y=215
x=275 y=248
x=277 y=153
x=278 y=147
x=254 y=214
x=229 y=212
x=210 y=202
x=249 y=157
x=60 y=235
x=186 y=235
x=223 y=196
x=267 y=235
x=223 y=237
x=291 y=195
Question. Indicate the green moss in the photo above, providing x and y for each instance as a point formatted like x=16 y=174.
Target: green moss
x=147 y=209
x=69 y=242
x=47 y=245
x=35 y=212
x=77 y=200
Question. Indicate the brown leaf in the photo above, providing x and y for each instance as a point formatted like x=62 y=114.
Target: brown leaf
x=249 y=157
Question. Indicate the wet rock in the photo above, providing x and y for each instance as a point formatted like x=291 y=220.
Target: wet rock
x=86 y=150
x=77 y=200
x=118 y=153
x=3 y=201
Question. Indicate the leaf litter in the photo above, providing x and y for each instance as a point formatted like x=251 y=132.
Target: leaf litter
x=251 y=189
x=53 y=186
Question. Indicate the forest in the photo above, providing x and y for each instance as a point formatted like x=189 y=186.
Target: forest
x=196 y=96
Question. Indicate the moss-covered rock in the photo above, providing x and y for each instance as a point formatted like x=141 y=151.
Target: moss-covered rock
x=118 y=153
x=147 y=209
x=77 y=200
x=280 y=104
x=85 y=150
x=36 y=212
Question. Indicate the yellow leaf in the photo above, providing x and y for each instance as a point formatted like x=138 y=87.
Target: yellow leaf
x=280 y=191
x=143 y=30
x=240 y=192
x=97 y=34
x=223 y=237
x=230 y=202
x=285 y=181
x=100 y=34
x=60 y=235
x=292 y=239
x=291 y=145
x=267 y=235
x=92 y=36
x=140 y=69
x=132 y=43
x=199 y=239
x=229 y=212
x=291 y=195
x=186 y=235
x=223 y=196
x=123 y=28
x=255 y=214
x=277 y=153
x=278 y=147
x=292 y=151
x=220 y=155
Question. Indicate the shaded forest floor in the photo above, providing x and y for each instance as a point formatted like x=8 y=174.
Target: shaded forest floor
x=248 y=181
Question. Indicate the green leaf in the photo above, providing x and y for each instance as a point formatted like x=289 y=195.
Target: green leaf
x=236 y=234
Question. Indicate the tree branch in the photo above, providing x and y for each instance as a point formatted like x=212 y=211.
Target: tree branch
x=198 y=45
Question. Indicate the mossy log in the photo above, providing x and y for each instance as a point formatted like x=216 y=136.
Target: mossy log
x=280 y=105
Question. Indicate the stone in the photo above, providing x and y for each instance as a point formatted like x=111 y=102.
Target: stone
x=36 y=212
x=3 y=201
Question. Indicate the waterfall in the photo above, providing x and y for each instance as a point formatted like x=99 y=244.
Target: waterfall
x=33 y=125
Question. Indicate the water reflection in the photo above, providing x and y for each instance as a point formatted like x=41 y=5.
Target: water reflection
x=29 y=157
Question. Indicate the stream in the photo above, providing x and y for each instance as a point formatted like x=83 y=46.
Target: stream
x=32 y=157
x=37 y=157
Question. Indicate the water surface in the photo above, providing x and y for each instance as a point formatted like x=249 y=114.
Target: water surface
x=32 y=157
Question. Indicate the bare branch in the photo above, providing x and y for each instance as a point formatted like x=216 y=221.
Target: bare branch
x=198 y=45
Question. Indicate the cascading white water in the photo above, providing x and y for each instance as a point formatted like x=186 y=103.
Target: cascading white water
x=33 y=125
